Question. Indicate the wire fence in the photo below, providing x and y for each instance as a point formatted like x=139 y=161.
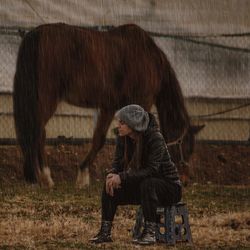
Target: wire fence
x=214 y=72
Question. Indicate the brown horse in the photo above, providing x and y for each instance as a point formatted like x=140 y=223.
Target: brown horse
x=92 y=69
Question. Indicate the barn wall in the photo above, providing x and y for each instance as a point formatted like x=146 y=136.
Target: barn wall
x=70 y=121
x=230 y=126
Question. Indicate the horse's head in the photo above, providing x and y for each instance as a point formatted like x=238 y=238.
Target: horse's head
x=183 y=149
x=189 y=140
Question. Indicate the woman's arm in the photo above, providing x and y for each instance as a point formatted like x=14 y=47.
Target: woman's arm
x=117 y=164
x=156 y=149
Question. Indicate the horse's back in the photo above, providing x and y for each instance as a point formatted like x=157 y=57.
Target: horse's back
x=119 y=30
x=129 y=32
x=80 y=63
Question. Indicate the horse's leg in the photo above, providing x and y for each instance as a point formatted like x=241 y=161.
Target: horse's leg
x=46 y=109
x=34 y=159
x=45 y=178
x=104 y=119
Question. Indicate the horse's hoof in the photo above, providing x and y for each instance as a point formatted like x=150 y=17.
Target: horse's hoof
x=33 y=186
x=45 y=178
x=83 y=179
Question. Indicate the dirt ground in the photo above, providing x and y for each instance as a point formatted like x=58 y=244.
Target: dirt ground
x=66 y=218
x=218 y=164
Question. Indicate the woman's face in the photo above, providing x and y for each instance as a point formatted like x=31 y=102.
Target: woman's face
x=123 y=128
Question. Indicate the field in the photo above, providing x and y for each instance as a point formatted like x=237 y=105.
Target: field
x=65 y=218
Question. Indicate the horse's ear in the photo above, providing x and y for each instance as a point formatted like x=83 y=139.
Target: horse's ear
x=195 y=129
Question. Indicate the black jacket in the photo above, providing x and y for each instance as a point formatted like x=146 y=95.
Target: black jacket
x=155 y=160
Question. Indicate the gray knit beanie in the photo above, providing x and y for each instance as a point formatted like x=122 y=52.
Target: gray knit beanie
x=134 y=116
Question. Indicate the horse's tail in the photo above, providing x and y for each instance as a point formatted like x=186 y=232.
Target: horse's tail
x=25 y=103
x=170 y=104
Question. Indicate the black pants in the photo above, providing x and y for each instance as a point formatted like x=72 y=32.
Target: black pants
x=149 y=193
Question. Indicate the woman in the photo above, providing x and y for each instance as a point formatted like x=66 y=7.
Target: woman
x=142 y=173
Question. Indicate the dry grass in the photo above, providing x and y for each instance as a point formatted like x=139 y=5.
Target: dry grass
x=31 y=218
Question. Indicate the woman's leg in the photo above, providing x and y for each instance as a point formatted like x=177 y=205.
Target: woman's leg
x=127 y=194
x=155 y=192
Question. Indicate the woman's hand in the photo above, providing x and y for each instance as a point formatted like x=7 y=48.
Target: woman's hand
x=113 y=181
x=109 y=187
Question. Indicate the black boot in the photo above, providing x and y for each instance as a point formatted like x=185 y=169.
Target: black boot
x=104 y=234
x=148 y=234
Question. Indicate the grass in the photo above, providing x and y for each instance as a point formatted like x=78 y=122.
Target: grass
x=65 y=218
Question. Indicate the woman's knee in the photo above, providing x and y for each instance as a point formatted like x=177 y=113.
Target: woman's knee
x=148 y=188
x=148 y=183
